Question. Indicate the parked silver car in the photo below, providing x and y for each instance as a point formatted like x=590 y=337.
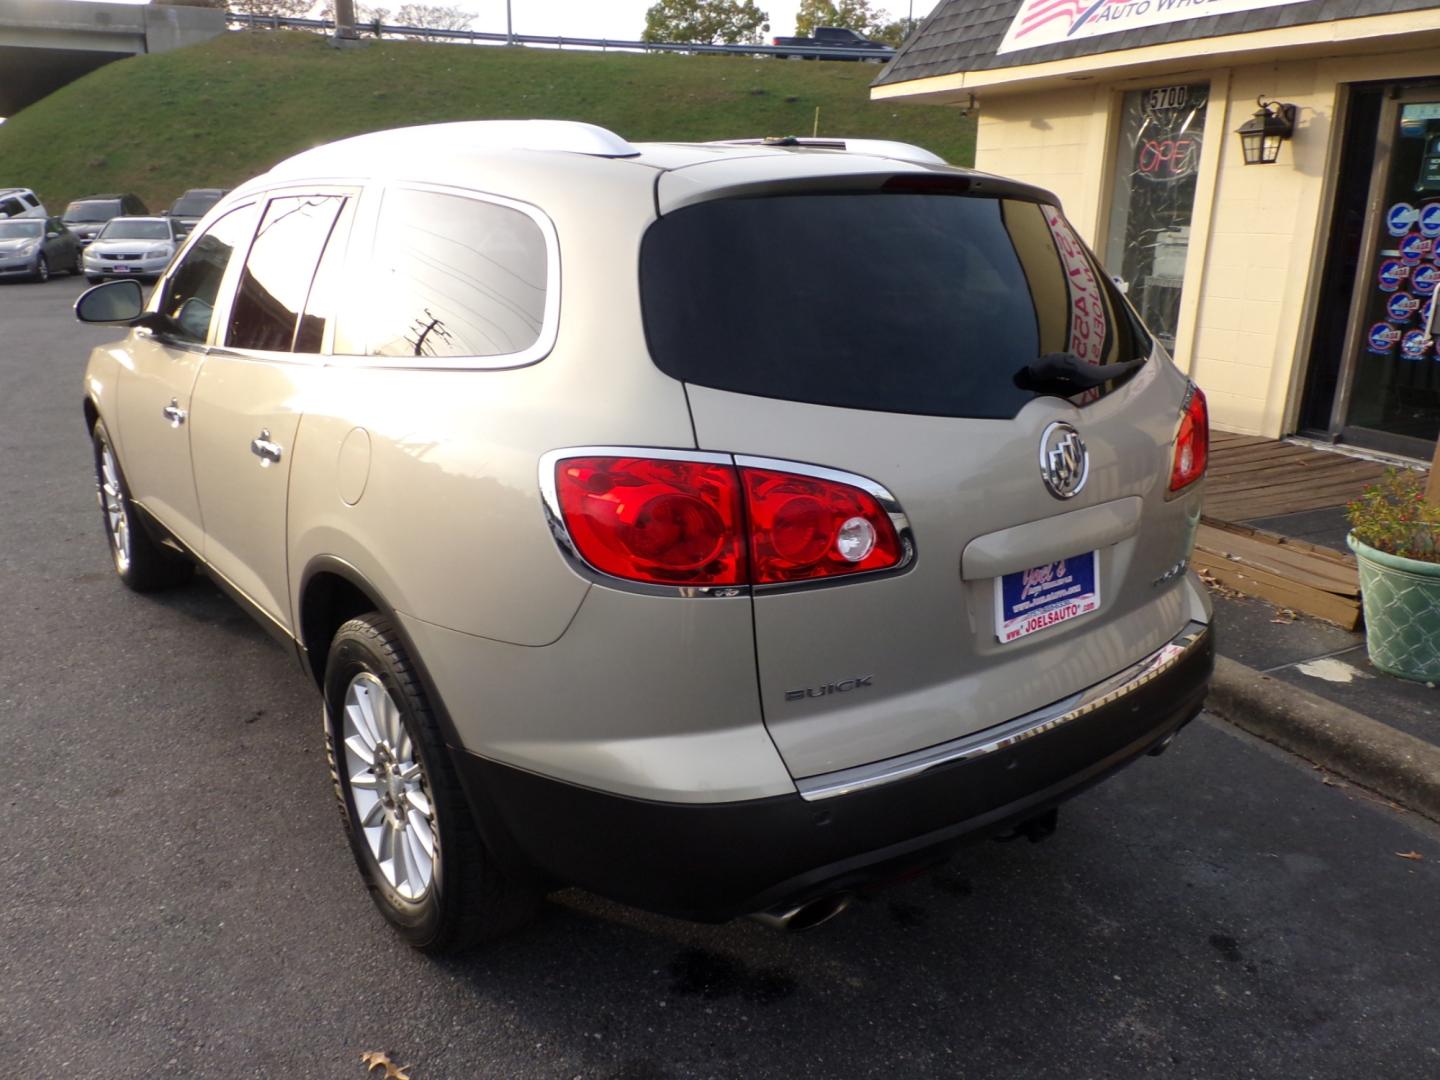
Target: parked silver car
x=139 y=247
x=35 y=248
x=716 y=527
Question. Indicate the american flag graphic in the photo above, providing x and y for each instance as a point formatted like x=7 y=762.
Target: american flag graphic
x=1077 y=12
x=1047 y=22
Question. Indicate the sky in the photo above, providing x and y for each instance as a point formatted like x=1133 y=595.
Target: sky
x=620 y=20
x=624 y=19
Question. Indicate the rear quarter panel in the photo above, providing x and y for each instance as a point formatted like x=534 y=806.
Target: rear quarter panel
x=425 y=480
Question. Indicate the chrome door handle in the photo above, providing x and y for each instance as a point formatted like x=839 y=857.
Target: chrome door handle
x=268 y=452
x=174 y=413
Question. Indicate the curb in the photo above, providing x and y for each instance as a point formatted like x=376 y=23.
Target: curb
x=1393 y=763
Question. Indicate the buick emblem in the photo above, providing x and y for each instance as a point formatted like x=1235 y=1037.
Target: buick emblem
x=1064 y=461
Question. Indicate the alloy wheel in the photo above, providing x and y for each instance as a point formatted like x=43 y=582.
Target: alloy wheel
x=112 y=502
x=388 y=785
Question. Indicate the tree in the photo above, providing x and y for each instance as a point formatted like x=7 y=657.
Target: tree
x=892 y=33
x=855 y=15
x=369 y=18
x=269 y=9
x=433 y=17
x=706 y=22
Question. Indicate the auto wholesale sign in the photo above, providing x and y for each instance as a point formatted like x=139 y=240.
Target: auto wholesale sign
x=1051 y=22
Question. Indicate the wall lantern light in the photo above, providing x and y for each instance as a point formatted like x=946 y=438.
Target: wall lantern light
x=1262 y=134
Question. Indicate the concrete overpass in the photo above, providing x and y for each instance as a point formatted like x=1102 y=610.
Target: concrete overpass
x=45 y=44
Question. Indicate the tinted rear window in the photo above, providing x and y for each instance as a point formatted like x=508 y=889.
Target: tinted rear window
x=99 y=210
x=897 y=302
x=193 y=205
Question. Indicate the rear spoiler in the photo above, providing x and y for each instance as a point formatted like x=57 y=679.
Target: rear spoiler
x=877 y=147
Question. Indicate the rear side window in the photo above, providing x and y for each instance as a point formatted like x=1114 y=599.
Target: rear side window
x=278 y=271
x=896 y=302
x=11 y=207
x=190 y=292
x=450 y=276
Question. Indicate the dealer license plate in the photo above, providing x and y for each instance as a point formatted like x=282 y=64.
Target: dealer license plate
x=1043 y=596
x=121 y=269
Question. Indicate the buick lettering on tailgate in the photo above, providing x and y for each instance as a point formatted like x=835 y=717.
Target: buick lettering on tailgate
x=1043 y=596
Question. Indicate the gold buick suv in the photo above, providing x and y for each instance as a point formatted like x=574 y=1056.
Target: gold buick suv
x=717 y=527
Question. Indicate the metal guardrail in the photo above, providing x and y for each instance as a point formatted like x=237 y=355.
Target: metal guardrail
x=280 y=22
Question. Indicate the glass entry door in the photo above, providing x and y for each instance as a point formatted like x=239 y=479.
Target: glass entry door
x=1389 y=395
x=1157 y=158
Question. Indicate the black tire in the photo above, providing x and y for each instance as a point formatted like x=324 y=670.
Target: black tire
x=469 y=898
x=75 y=266
x=42 y=270
x=141 y=563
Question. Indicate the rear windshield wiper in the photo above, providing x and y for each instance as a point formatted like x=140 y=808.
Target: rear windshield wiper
x=1065 y=374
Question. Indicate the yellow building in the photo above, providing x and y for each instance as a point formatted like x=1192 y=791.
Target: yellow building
x=1296 y=293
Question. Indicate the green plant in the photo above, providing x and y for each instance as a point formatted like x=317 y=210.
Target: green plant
x=1392 y=515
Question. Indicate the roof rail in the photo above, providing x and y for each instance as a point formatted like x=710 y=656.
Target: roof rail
x=878 y=147
x=566 y=136
x=563 y=136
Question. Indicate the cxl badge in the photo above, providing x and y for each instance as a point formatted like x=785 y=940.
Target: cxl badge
x=1064 y=461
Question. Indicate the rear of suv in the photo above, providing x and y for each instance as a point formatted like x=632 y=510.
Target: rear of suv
x=717 y=527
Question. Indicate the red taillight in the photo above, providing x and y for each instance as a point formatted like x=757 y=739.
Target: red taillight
x=670 y=522
x=678 y=522
x=1192 y=442
x=802 y=527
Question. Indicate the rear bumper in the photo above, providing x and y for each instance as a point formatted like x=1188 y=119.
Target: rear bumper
x=714 y=861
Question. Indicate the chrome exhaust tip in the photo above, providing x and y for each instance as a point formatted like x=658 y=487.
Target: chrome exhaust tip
x=804 y=916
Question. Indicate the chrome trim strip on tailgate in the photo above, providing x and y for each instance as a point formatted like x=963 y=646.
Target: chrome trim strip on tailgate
x=845 y=781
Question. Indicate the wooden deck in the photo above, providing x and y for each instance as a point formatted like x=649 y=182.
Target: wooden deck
x=1258 y=478
x=1252 y=478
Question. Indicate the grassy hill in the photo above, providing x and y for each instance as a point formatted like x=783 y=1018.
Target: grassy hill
x=215 y=114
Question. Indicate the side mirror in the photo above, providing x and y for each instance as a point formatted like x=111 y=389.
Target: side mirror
x=112 y=302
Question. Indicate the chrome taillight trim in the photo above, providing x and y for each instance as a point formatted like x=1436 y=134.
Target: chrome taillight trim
x=881 y=494
x=558 y=529
x=1191 y=389
x=1008 y=734
x=556 y=520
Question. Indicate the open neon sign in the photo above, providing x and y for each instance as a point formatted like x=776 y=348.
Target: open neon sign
x=1167 y=159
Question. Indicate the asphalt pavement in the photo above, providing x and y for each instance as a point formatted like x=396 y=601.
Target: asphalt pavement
x=179 y=901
